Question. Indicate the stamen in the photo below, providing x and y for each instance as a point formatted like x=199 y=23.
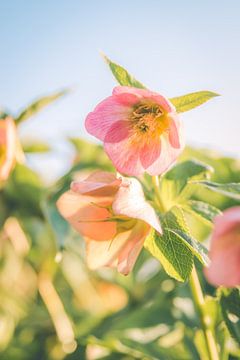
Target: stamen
x=148 y=117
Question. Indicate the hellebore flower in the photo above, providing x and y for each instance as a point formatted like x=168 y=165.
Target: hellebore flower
x=8 y=147
x=225 y=250
x=113 y=217
x=140 y=129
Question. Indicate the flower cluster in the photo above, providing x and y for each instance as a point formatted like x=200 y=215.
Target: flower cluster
x=142 y=133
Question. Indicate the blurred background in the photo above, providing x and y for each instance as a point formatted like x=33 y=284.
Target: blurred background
x=51 y=306
x=173 y=47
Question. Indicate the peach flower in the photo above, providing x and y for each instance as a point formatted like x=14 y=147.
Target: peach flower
x=225 y=250
x=140 y=129
x=112 y=215
x=8 y=147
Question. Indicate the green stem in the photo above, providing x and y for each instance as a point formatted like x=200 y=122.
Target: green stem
x=156 y=184
x=199 y=304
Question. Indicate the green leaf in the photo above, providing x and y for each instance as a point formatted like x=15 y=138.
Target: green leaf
x=204 y=211
x=174 y=254
x=231 y=190
x=36 y=147
x=175 y=182
x=192 y=100
x=24 y=190
x=89 y=153
x=38 y=105
x=60 y=227
x=196 y=247
x=230 y=306
x=122 y=76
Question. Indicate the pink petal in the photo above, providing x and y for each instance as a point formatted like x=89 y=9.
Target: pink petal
x=8 y=140
x=150 y=152
x=105 y=253
x=109 y=111
x=130 y=201
x=225 y=250
x=130 y=252
x=167 y=156
x=87 y=214
x=125 y=157
x=145 y=94
x=117 y=132
x=174 y=132
x=121 y=252
x=100 y=183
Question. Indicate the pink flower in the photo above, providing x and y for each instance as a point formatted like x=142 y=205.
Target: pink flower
x=140 y=129
x=225 y=250
x=8 y=147
x=113 y=217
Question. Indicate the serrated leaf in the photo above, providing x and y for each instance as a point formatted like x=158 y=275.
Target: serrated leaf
x=122 y=76
x=196 y=247
x=36 y=147
x=38 y=105
x=192 y=100
x=175 y=257
x=204 y=211
x=231 y=190
x=174 y=254
x=174 y=183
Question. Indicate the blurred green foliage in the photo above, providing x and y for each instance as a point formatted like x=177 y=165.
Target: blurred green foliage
x=52 y=307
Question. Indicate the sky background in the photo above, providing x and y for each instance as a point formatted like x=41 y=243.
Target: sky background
x=173 y=47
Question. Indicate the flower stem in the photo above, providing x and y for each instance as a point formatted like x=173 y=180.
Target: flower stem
x=199 y=302
x=155 y=181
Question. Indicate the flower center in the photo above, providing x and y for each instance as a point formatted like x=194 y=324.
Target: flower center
x=149 y=118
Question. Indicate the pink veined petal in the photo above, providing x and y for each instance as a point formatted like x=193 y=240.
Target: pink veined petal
x=225 y=250
x=121 y=252
x=109 y=111
x=150 y=152
x=87 y=215
x=105 y=253
x=145 y=94
x=8 y=140
x=125 y=157
x=167 y=157
x=117 y=132
x=130 y=201
x=129 y=253
x=100 y=183
x=174 y=133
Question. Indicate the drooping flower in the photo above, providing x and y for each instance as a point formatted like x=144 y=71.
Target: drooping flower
x=113 y=217
x=140 y=129
x=225 y=250
x=8 y=147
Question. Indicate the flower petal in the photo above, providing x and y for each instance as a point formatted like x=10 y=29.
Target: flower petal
x=130 y=201
x=121 y=252
x=225 y=250
x=167 y=157
x=100 y=183
x=87 y=215
x=174 y=133
x=109 y=111
x=150 y=152
x=125 y=157
x=130 y=252
x=145 y=94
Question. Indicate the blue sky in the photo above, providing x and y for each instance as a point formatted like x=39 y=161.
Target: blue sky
x=174 y=47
